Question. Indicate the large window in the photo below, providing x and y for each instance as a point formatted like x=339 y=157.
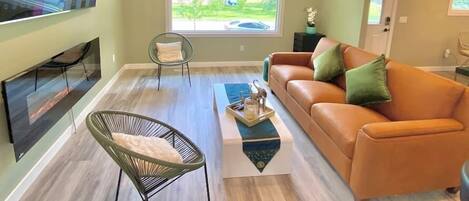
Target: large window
x=459 y=7
x=225 y=16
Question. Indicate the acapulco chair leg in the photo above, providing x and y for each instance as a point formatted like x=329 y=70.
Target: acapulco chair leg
x=159 y=76
x=64 y=72
x=189 y=74
x=86 y=72
x=206 y=182
x=35 y=82
x=143 y=196
x=118 y=184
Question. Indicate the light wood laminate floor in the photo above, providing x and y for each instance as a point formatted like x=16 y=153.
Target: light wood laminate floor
x=83 y=171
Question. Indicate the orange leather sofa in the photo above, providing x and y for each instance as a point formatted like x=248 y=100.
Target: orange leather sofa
x=417 y=142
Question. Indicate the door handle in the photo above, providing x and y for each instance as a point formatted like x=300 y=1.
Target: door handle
x=386 y=30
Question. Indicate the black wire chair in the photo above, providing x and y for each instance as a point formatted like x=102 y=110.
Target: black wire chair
x=149 y=175
x=186 y=48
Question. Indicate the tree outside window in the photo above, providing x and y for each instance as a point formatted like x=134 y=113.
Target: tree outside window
x=224 y=16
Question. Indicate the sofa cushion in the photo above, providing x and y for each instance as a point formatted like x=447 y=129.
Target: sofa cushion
x=307 y=93
x=169 y=52
x=341 y=122
x=154 y=147
x=418 y=95
x=285 y=73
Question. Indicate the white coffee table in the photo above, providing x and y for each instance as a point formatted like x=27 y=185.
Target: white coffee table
x=235 y=162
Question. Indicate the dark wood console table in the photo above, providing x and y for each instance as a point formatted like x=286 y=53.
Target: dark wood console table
x=306 y=42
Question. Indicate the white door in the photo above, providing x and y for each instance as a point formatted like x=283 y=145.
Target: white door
x=378 y=33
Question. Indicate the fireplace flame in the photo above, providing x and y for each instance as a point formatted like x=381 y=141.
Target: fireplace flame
x=47 y=105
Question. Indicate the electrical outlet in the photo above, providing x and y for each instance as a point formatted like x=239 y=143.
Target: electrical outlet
x=447 y=53
x=241 y=48
x=113 y=58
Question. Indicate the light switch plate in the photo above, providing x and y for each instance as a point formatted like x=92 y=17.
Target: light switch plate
x=403 y=20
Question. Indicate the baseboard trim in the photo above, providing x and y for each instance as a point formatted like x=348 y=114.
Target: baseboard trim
x=34 y=173
x=199 y=64
x=251 y=64
x=437 y=68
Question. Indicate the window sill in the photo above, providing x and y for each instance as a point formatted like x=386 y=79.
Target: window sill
x=458 y=13
x=229 y=34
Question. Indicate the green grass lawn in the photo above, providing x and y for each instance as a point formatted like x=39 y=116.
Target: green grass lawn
x=223 y=13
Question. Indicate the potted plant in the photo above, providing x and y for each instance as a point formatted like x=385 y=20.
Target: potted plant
x=311 y=20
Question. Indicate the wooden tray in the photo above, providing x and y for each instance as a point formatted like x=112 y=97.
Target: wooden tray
x=263 y=114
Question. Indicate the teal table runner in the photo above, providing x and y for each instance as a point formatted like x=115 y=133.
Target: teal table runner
x=260 y=142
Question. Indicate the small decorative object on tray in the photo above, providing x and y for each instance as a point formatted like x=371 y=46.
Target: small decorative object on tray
x=251 y=110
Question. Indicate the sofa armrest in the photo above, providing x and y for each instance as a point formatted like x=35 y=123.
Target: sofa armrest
x=411 y=128
x=406 y=157
x=292 y=58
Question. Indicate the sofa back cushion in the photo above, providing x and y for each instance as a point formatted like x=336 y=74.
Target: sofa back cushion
x=354 y=57
x=324 y=45
x=418 y=95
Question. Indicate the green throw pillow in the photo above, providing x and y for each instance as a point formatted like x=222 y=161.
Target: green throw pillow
x=367 y=84
x=329 y=64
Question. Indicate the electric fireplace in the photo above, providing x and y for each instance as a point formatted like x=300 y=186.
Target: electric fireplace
x=38 y=97
x=12 y=10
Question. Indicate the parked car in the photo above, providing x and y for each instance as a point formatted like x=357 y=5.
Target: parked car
x=231 y=2
x=246 y=25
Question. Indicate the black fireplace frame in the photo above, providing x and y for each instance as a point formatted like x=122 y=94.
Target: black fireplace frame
x=24 y=131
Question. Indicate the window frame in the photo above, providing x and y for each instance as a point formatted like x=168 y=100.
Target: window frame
x=276 y=33
x=454 y=12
